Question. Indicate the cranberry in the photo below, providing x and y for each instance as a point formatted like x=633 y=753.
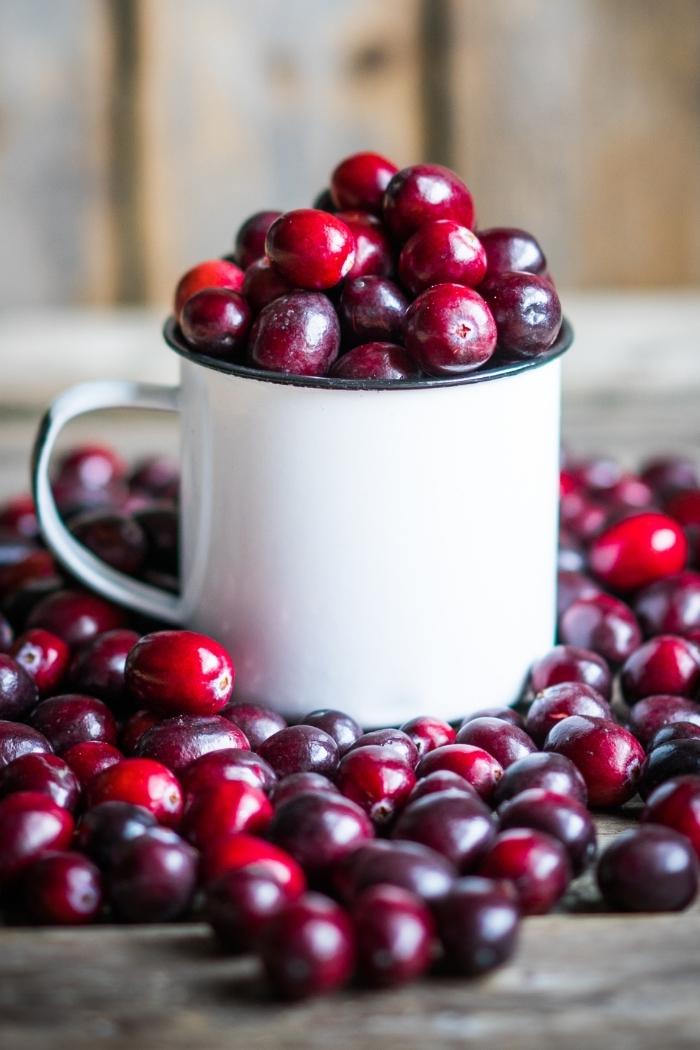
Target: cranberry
x=44 y=656
x=376 y=779
x=73 y=498
x=442 y=252
x=311 y=249
x=509 y=249
x=458 y=826
x=638 y=550
x=506 y=743
x=256 y=721
x=88 y=759
x=478 y=921
x=6 y=634
x=16 y=740
x=301 y=749
x=250 y=238
x=18 y=690
x=409 y=865
x=674 y=731
x=153 y=877
x=650 y=868
x=62 y=889
x=134 y=728
x=105 y=828
x=671 y=605
x=665 y=664
x=571 y=586
x=301 y=784
x=180 y=672
x=571 y=555
x=381 y=361
x=534 y=862
x=526 y=310
x=668 y=475
x=603 y=624
x=423 y=193
x=584 y=520
x=23 y=599
x=564 y=818
x=675 y=759
x=654 y=712
x=319 y=830
x=396 y=739
x=156 y=476
x=18 y=516
x=344 y=729
x=99 y=667
x=560 y=701
x=262 y=284
x=428 y=733
x=598 y=474
x=230 y=807
x=91 y=466
x=75 y=616
x=441 y=780
x=47 y=774
x=30 y=824
x=551 y=772
x=239 y=905
x=74 y=719
x=685 y=508
x=160 y=525
x=372 y=246
x=359 y=181
x=372 y=309
x=394 y=934
x=142 y=782
x=568 y=663
x=606 y=755
x=214 y=273
x=115 y=538
x=177 y=742
x=232 y=763
x=450 y=330
x=676 y=805
x=297 y=333
x=477 y=766
x=241 y=851
x=216 y=321
x=504 y=714
x=308 y=947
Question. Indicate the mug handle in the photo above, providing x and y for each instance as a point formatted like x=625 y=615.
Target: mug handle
x=82 y=563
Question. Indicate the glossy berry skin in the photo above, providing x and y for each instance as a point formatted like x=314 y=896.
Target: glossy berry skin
x=359 y=181
x=238 y=906
x=344 y=729
x=637 y=551
x=18 y=690
x=30 y=824
x=213 y=768
x=665 y=664
x=606 y=755
x=62 y=889
x=319 y=830
x=410 y=865
x=506 y=743
x=652 y=713
x=668 y=734
x=477 y=766
x=301 y=749
x=98 y=669
x=92 y=466
x=385 y=362
x=227 y=809
x=17 y=739
x=141 y=782
x=395 y=739
x=376 y=779
x=250 y=238
x=373 y=253
x=603 y=624
x=298 y=334
x=43 y=655
x=88 y=759
x=47 y=774
x=301 y=784
x=247 y=852
x=508 y=249
x=547 y=771
x=214 y=273
x=394 y=935
x=676 y=805
x=455 y=825
x=504 y=714
x=112 y=537
x=450 y=330
x=442 y=252
x=18 y=516
x=308 y=948
x=428 y=733
x=526 y=310
x=153 y=877
x=105 y=828
x=257 y=722
x=675 y=759
x=72 y=719
x=178 y=742
x=478 y=923
x=569 y=663
x=262 y=284
x=669 y=475
x=441 y=780
x=372 y=309
x=311 y=249
x=671 y=605
x=535 y=863
x=180 y=672
x=216 y=322
x=75 y=616
x=424 y=193
x=564 y=818
x=649 y=868
x=561 y=701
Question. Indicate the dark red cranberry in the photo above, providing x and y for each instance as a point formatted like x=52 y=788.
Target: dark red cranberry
x=214 y=273
x=372 y=309
x=256 y=721
x=180 y=672
x=74 y=719
x=583 y=519
x=676 y=805
x=668 y=734
x=564 y=818
x=6 y=634
x=308 y=948
x=568 y=663
x=669 y=475
x=75 y=616
x=381 y=361
x=372 y=246
x=301 y=749
x=153 y=877
x=250 y=238
x=301 y=784
x=606 y=755
x=44 y=656
x=684 y=507
x=478 y=921
x=650 y=868
x=115 y=538
x=571 y=586
x=311 y=249
x=676 y=759
x=232 y=763
x=630 y=493
x=262 y=284
x=424 y=193
x=92 y=466
x=508 y=249
x=442 y=252
x=134 y=728
x=19 y=603
x=526 y=310
x=428 y=733
x=157 y=476
x=571 y=553
x=395 y=739
x=177 y=742
x=637 y=551
x=394 y=933
x=665 y=664
x=241 y=851
x=603 y=624
x=230 y=807
x=239 y=905
x=61 y=889
x=450 y=330
x=88 y=759
x=458 y=826
x=342 y=727
x=48 y=774
x=73 y=498
x=141 y=782
x=654 y=712
x=359 y=181
x=536 y=864
x=18 y=516
x=598 y=474
x=297 y=333
x=477 y=766
x=160 y=525
x=377 y=779
x=671 y=605
x=30 y=824
x=550 y=772
x=507 y=743
x=18 y=689
x=561 y=701
x=99 y=667
x=441 y=780
x=105 y=828
x=504 y=714
x=16 y=740
x=216 y=322
x=319 y=830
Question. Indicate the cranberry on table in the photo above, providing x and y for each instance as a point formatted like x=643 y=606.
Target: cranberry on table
x=47 y=774
x=508 y=249
x=230 y=807
x=105 y=828
x=671 y=474
x=675 y=759
x=381 y=361
x=301 y=784
x=428 y=733
x=655 y=712
x=30 y=824
x=545 y=770
x=141 y=782
x=92 y=466
x=665 y=664
x=180 y=672
x=638 y=550
x=676 y=805
x=569 y=663
x=88 y=759
x=450 y=330
x=114 y=538
x=43 y=655
x=359 y=181
x=478 y=921
x=477 y=766
x=72 y=718
x=373 y=254
x=564 y=818
x=674 y=731
x=394 y=932
x=153 y=877
x=395 y=739
x=239 y=852
x=239 y=904
x=441 y=780
x=372 y=309
x=649 y=868
x=535 y=863
x=607 y=756
x=98 y=669
x=342 y=727
x=179 y=741
x=319 y=830
x=504 y=741
x=603 y=624
x=256 y=721
x=424 y=193
x=458 y=826
x=62 y=889
x=311 y=249
x=298 y=334
x=216 y=322
x=561 y=701
x=526 y=310
x=18 y=689
x=377 y=779
x=17 y=739
x=442 y=252
x=75 y=616
x=214 y=273
x=249 y=245
x=301 y=749
x=671 y=605
x=262 y=284
x=230 y=763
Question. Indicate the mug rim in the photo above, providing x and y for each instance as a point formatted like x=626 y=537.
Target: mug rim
x=175 y=340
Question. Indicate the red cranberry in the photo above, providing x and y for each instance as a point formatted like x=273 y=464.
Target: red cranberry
x=73 y=498
x=156 y=476
x=668 y=475
x=359 y=181
x=239 y=905
x=177 y=742
x=212 y=768
x=160 y=525
x=685 y=508
x=18 y=515
x=381 y=361
x=560 y=701
x=509 y=249
x=301 y=749
x=372 y=246
x=450 y=330
x=297 y=333
x=344 y=729
x=377 y=779
x=675 y=759
x=230 y=807
x=665 y=664
x=216 y=322
x=650 y=868
x=44 y=656
x=262 y=284
x=6 y=634
x=506 y=743
x=256 y=721
x=584 y=519
x=671 y=605
x=603 y=624
x=16 y=740
x=74 y=719
x=442 y=252
x=534 y=862
x=676 y=805
x=30 y=824
x=75 y=616
x=143 y=783
x=18 y=690
x=153 y=877
x=214 y=273
x=99 y=667
x=241 y=851
x=638 y=550
x=598 y=474
x=23 y=599
x=394 y=933
x=458 y=826
x=504 y=714
x=551 y=772
x=606 y=755
x=308 y=948
x=88 y=759
x=568 y=663
x=396 y=739
x=428 y=733
x=134 y=728
x=668 y=734
x=92 y=466
x=654 y=712
x=105 y=828
x=115 y=538
x=441 y=780
x=564 y=818
x=372 y=309
x=571 y=586
x=250 y=238
x=424 y=193
x=62 y=889
x=478 y=921
x=180 y=672
x=630 y=493
x=301 y=784
x=47 y=774
x=409 y=865
x=319 y=830
x=310 y=248
x=477 y=766
x=526 y=310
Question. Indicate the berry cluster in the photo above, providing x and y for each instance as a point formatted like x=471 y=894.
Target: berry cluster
x=384 y=279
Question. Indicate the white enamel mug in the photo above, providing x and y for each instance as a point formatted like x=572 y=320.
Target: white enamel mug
x=388 y=550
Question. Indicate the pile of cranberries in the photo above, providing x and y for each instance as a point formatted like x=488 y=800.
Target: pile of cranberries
x=383 y=279
x=136 y=786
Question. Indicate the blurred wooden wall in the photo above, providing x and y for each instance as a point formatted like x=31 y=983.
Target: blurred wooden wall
x=136 y=134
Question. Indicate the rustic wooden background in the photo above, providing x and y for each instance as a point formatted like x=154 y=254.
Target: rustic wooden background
x=135 y=134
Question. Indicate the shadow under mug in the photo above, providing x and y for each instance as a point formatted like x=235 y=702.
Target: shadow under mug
x=385 y=549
